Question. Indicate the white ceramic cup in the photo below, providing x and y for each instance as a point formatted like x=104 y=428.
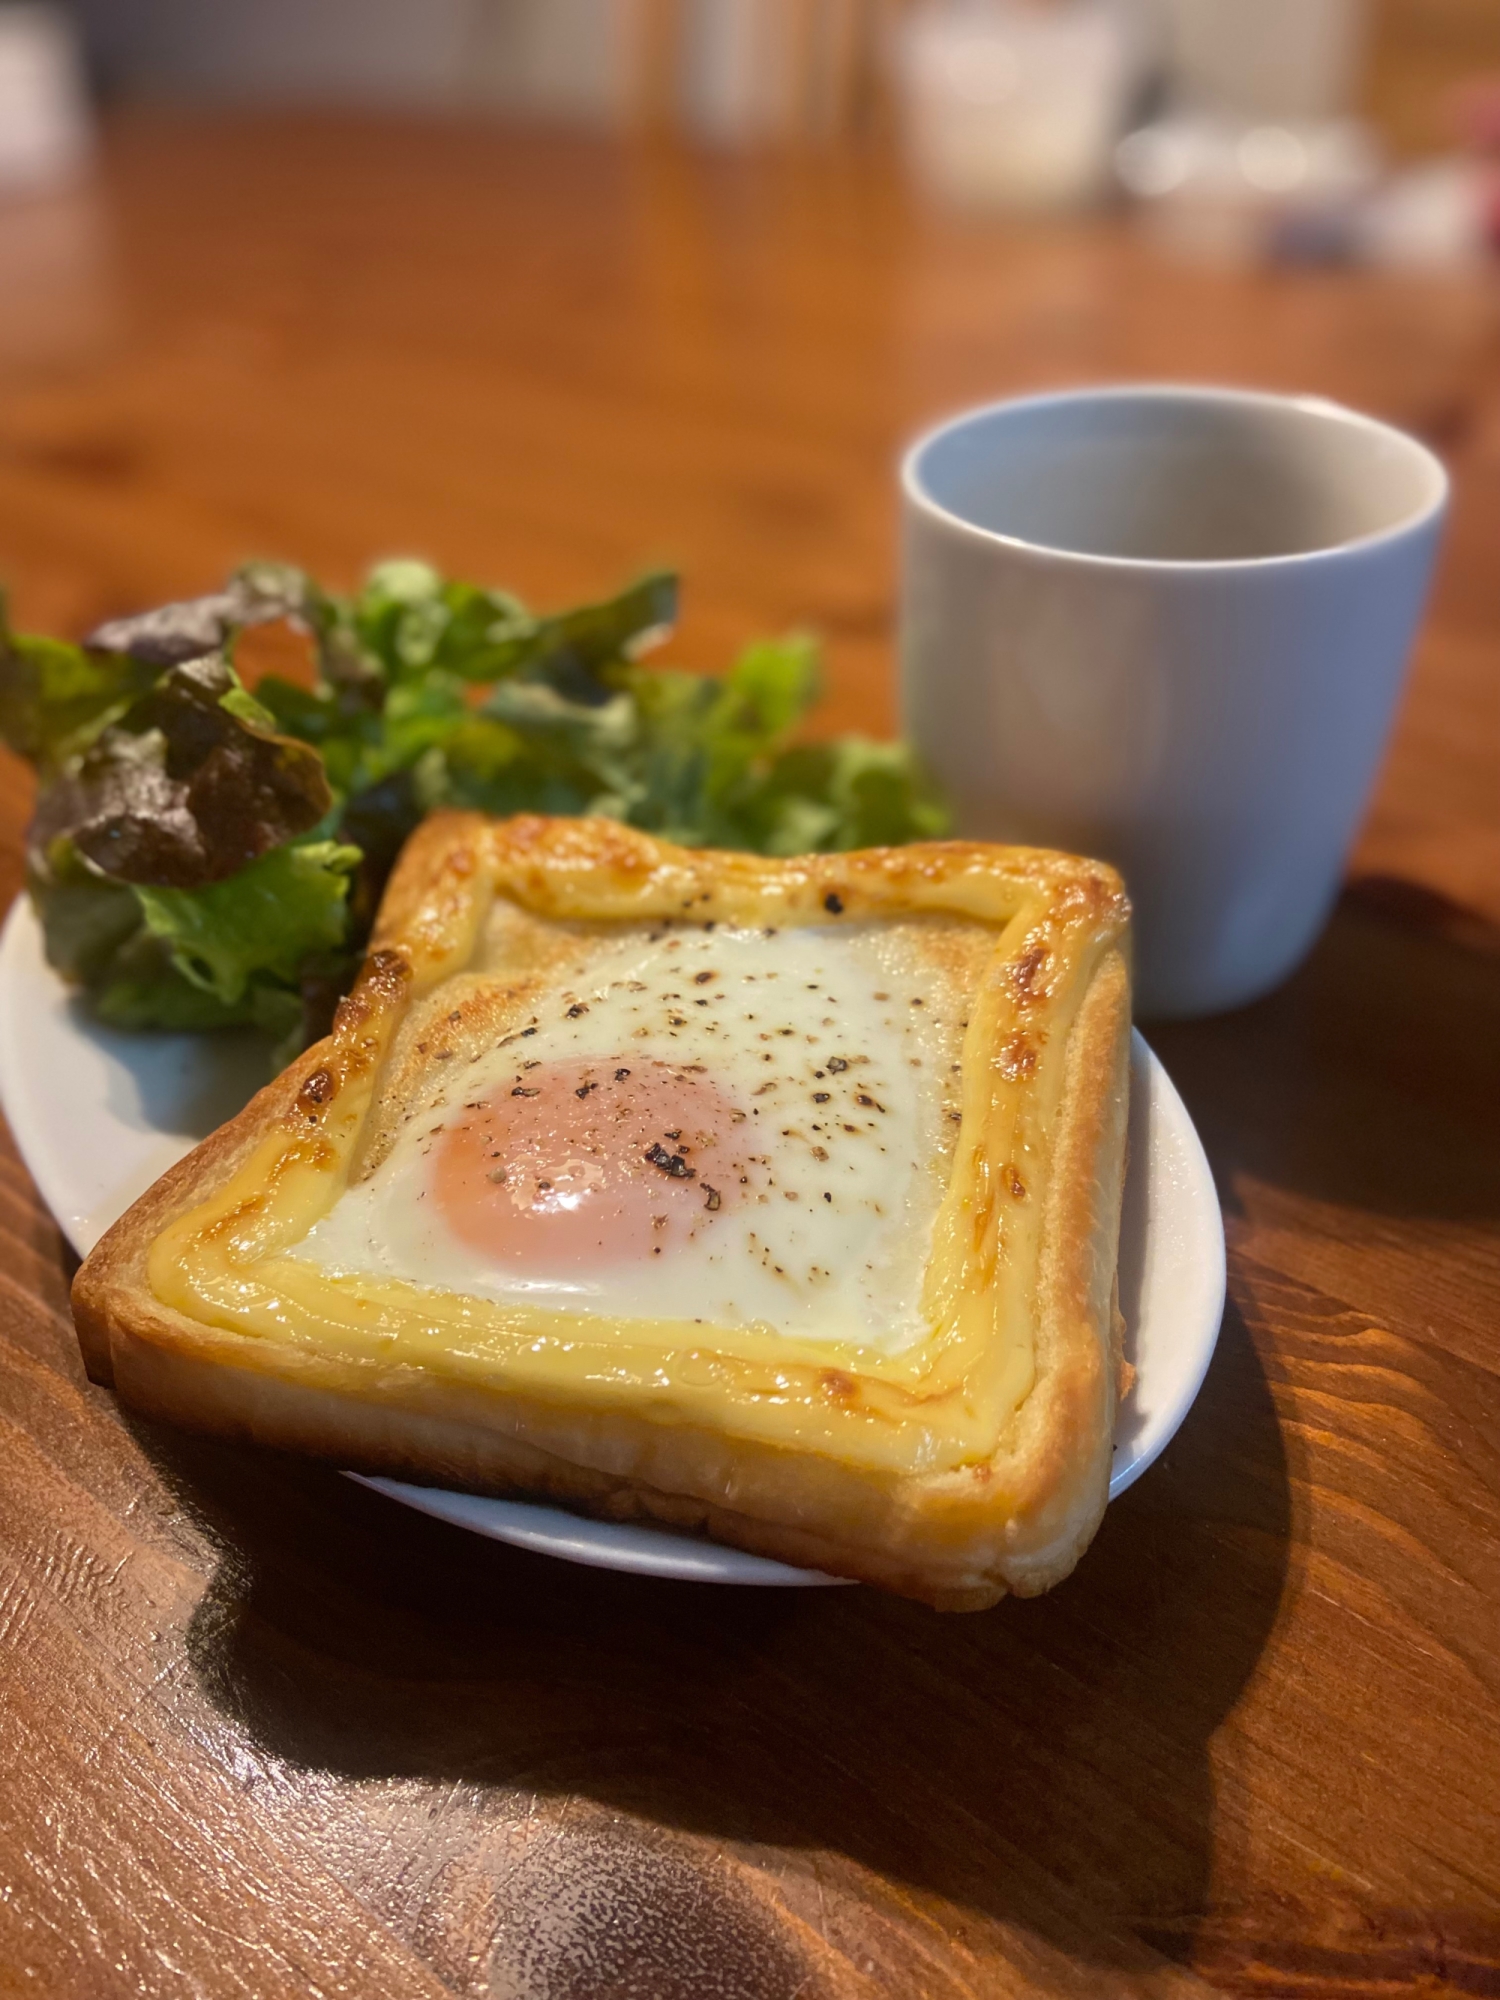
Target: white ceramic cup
x=1168 y=626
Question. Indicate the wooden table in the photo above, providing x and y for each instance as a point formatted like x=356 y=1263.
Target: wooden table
x=262 y=1733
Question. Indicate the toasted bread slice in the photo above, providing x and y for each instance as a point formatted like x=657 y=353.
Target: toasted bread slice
x=942 y=1427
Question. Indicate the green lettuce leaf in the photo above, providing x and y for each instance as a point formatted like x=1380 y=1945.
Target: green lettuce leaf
x=55 y=698
x=203 y=856
x=97 y=936
x=410 y=621
x=144 y=990
x=267 y=921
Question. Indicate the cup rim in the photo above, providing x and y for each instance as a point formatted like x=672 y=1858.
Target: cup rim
x=917 y=494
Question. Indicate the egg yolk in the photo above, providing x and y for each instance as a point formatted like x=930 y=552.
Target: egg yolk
x=593 y=1162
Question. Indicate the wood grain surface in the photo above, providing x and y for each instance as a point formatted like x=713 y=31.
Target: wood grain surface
x=263 y=1733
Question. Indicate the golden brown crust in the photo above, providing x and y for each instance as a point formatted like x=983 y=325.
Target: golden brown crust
x=957 y=1539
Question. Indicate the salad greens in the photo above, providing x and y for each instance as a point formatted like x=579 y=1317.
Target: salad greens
x=202 y=856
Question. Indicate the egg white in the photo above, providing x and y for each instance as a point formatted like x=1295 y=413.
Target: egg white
x=833 y=1244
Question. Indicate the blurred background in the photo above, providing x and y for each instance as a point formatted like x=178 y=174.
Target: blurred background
x=1000 y=101
x=546 y=289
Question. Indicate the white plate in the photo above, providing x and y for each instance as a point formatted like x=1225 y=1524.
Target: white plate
x=97 y=1115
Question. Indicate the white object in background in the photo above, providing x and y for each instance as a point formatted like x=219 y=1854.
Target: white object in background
x=756 y=70
x=1268 y=59
x=578 y=61
x=736 y=69
x=1222 y=188
x=1169 y=626
x=1015 y=106
x=1437 y=216
x=98 y=1114
x=45 y=131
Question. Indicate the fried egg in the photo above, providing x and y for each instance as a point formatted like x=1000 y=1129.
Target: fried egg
x=736 y=1127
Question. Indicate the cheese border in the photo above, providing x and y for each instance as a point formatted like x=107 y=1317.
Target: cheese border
x=983 y=1493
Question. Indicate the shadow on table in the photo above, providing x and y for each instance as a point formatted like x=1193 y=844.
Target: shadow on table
x=1364 y=1081
x=1044 y=1763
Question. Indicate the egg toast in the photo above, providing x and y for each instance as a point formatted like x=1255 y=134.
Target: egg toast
x=777 y=1199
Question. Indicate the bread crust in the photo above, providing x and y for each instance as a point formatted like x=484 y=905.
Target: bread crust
x=958 y=1538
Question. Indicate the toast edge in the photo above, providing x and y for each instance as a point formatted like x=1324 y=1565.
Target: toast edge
x=157 y=1361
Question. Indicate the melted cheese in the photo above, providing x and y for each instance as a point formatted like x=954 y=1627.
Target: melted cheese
x=479 y=932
